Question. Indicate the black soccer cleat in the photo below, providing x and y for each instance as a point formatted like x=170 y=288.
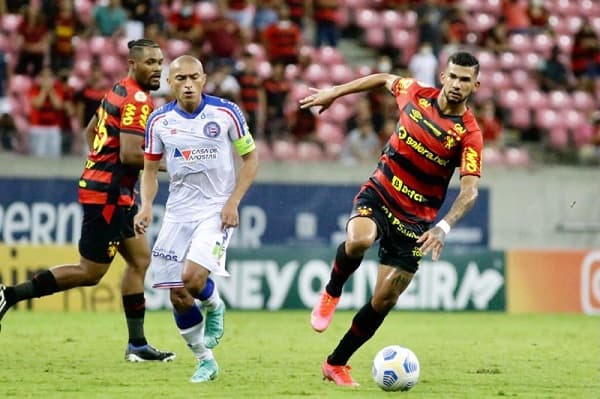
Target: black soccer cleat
x=147 y=353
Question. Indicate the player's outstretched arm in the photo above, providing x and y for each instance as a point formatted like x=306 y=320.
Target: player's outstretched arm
x=148 y=190
x=90 y=132
x=433 y=239
x=247 y=174
x=325 y=97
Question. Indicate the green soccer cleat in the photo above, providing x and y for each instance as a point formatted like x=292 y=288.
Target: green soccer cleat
x=206 y=370
x=215 y=326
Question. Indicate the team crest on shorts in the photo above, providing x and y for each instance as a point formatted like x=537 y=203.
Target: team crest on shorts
x=364 y=211
x=111 y=251
x=212 y=129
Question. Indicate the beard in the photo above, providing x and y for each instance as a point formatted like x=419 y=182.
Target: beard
x=150 y=86
x=454 y=101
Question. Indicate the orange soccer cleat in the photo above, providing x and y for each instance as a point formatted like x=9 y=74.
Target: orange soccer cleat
x=339 y=374
x=322 y=313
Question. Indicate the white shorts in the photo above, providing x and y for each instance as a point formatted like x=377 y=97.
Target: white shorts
x=202 y=242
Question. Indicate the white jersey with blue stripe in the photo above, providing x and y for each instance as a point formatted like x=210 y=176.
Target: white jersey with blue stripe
x=198 y=149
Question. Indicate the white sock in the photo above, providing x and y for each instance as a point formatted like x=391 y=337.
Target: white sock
x=194 y=337
x=213 y=301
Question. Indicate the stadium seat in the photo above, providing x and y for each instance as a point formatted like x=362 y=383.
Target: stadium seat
x=492 y=156
x=84 y=10
x=76 y=82
x=308 y=151
x=493 y=7
x=520 y=43
x=10 y=22
x=333 y=151
x=330 y=132
x=520 y=117
x=292 y=72
x=100 y=45
x=375 y=37
x=82 y=67
x=263 y=150
x=517 y=157
x=565 y=42
x=583 y=101
x=410 y=19
x=341 y=73
x=510 y=98
x=338 y=113
x=487 y=60
x=499 y=80
x=316 y=73
x=558 y=138
x=367 y=18
x=522 y=79
x=121 y=46
x=559 y=100
x=363 y=70
x=328 y=55
x=284 y=150
x=207 y=10
x=481 y=22
x=257 y=50
x=357 y=3
x=391 y=19
x=176 y=47
x=532 y=60
x=263 y=69
x=20 y=85
x=562 y=7
x=535 y=99
x=549 y=119
x=542 y=44
x=509 y=60
x=574 y=119
x=112 y=65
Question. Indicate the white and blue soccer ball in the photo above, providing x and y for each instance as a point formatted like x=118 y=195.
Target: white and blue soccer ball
x=396 y=368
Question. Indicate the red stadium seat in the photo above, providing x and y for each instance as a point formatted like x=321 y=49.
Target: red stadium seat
x=375 y=37
x=333 y=150
x=481 y=22
x=492 y=156
x=522 y=79
x=520 y=42
x=284 y=150
x=583 y=101
x=532 y=61
x=330 y=132
x=410 y=19
x=292 y=72
x=308 y=151
x=76 y=82
x=549 y=119
x=517 y=157
x=316 y=73
x=263 y=69
x=100 y=45
x=559 y=100
x=492 y=6
x=338 y=113
x=542 y=44
x=510 y=98
x=565 y=42
x=10 y=22
x=558 y=138
x=328 y=55
x=364 y=70
x=509 y=60
x=121 y=46
x=391 y=19
x=499 y=80
x=207 y=10
x=367 y=18
x=574 y=120
x=357 y=3
x=487 y=60
x=82 y=67
x=563 y=7
x=112 y=65
x=257 y=50
x=341 y=73
x=20 y=85
x=263 y=150
x=520 y=117
x=84 y=10
x=535 y=99
x=176 y=47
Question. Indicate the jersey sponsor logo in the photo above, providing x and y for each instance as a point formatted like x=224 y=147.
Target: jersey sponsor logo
x=402 y=229
x=140 y=96
x=166 y=255
x=411 y=193
x=212 y=129
x=419 y=147
x=196 y=154
x=424 y=103
x=404 y=83
x=471 y=160
x=128 y=114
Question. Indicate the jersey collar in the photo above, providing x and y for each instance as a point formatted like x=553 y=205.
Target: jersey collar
x=194 y=114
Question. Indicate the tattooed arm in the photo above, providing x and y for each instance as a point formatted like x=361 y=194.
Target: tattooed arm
x=433 y=239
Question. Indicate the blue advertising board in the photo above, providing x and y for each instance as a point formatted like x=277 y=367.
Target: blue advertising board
x=45 y=211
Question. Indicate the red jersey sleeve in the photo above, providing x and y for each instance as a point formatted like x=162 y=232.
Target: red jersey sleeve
x=472 y=148
x=134 y=112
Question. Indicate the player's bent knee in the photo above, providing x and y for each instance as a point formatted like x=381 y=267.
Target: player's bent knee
x=358 y=245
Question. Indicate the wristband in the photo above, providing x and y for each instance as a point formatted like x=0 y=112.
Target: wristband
x=442 y=224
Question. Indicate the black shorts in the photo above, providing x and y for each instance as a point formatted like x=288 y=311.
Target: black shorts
x=100 y=239
x=397 y=240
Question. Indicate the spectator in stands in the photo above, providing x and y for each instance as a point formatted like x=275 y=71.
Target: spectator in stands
x=72 y=141
x=362 y=144
x=224 y=36
x=252 y=94
x=282 y=39
x=490 y=124
x=155 y=33
x=46 y=97
x=241 y=11
x=110 y=19
x=186 y=24
x=553 y=74
x=297 y=11
x=88 y=98
x=4 y=73
x=222 y=83
x=9 y=136
x=277 y=90
x=585 y=56
x=66 y=26
x=303 y=127
x=430 y=15
x=538 y=16
x=33 y=41
x=589 y=153
x=326 y=26
x=455 y=29
x=496 y=38
x=144 y=11
x=423 y=65
x=515 y=13
x=265 y=15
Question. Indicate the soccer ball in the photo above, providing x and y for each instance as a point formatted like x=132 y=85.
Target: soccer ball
x=396 y=368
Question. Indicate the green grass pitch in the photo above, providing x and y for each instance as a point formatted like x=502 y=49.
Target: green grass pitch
x=277 y=355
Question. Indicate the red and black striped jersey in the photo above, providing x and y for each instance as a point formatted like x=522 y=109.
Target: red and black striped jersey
x=418 y=161
x=105 y=180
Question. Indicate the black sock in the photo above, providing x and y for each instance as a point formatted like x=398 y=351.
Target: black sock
x=364 y=325
x=42 y=284
x=343 y=267
x=135 y=309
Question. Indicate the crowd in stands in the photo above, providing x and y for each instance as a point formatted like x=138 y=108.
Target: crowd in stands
x=540 y=68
